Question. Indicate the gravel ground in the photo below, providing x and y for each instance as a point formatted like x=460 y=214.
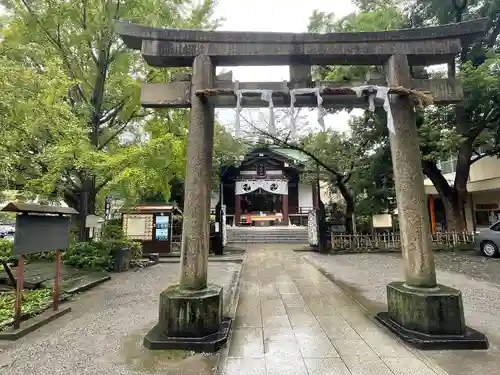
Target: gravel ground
x=472 y=264
x=103 y=333
x=365 y=277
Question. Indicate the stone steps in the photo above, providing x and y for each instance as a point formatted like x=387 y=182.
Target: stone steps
x=266 y=235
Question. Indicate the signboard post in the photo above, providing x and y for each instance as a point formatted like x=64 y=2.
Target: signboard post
x=38 y=229
x=19 y=292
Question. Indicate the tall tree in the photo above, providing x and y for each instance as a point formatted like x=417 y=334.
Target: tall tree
x=31 y=99
x=445 y=132
x=227 y=152
x=118 y=137
x=478 y=115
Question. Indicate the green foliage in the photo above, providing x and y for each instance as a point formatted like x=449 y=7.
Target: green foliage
x=97 y=255
x=6 y=252
x=90 y=255
x=443 y=133
x=70 y=119
x=430 y=12
x=227 y=150
x=34 y=302
x=375 y=16
x=113 y=230
x=335 y=149
x=7 y=256
x=113 y=235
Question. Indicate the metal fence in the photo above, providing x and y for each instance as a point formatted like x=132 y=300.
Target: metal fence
x=392 y=241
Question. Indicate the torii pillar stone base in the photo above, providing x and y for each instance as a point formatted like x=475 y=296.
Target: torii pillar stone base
x=190 y=320
x=420 y=311
x=190 y=313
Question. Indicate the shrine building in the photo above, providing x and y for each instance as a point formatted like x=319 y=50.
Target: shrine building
x=266 y=189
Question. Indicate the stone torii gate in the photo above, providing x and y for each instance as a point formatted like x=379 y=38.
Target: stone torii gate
x=420 y=311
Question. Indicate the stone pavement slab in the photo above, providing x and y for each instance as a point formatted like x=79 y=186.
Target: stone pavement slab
x=365 y=277
x=292 y=320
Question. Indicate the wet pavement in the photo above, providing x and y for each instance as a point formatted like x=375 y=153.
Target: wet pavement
x=292 y=320
x=365 y=276
x=104 y=331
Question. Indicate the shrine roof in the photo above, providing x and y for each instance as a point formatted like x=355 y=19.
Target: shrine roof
x=291 y=154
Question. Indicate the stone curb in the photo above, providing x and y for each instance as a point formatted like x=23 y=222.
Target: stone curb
x=210 y=260
x=33 y=324
x=88 y=286
x=223 y=354
x=428 y=361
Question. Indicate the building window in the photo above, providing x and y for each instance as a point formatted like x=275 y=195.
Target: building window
x=487 y=217
x=448 y=166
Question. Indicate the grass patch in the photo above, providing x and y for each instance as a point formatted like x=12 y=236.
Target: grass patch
x=34 y=303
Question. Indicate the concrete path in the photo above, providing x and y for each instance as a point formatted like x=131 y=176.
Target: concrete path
x=292 y=320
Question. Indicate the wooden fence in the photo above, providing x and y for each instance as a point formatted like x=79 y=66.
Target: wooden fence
x=392 y=241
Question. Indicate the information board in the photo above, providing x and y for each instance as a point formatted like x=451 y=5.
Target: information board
x=162 y=228
x=35 y=234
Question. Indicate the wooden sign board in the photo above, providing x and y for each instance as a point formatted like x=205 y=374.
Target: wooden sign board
x=35 y=234
x=382 y=221
x=138 y=227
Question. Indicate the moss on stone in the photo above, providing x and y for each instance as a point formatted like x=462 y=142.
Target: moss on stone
x=437 y=311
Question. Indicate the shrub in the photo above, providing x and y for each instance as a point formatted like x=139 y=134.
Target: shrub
x=7 y=256
x=34 y=302
x=99 y=254
x=88 y=255
x=113 y=230
x=6 y=252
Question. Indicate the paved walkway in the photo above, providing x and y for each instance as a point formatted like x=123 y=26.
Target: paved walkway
x=292 y=320
x=365 y=277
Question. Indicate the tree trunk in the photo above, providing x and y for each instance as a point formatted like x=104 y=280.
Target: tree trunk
x=454 y=209
x=322 y=228
x=349 y=225
x=350 y=206
x=85 y=203
x=453 y=200
x=82 y=215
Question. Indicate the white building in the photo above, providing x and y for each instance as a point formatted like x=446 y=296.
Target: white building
x=483 y=203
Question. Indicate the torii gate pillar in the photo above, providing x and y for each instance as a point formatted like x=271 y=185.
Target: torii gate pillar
x=190 y=313
x=420 y=311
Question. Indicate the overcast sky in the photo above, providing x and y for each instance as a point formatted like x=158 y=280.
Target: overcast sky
x=281 y=16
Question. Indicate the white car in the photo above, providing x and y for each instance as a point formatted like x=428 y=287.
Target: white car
x=488 y=241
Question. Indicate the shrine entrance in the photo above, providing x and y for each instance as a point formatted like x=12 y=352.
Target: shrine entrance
x=265 y=189
x=261 y=201
x=261 y=208
x=420 y=311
